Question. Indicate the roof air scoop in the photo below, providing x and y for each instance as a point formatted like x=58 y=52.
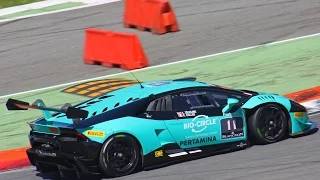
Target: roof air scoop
x=186 y=79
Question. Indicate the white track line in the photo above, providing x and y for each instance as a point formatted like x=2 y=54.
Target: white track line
x=157 y=66
x=57 y=11
x=17 y=170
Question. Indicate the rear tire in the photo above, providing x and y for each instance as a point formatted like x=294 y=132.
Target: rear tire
x=269 y=124
x=119 y=156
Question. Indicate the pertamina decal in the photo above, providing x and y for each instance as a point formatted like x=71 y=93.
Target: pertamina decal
x=232 y=128
x=94 y=133
x=158 y=153
x=198 y=141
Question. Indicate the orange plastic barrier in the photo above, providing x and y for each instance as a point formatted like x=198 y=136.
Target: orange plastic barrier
x=114 y=49
x=155 y=15
x=14 y=158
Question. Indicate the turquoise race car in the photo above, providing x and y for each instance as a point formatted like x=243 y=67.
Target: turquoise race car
x=155 y=123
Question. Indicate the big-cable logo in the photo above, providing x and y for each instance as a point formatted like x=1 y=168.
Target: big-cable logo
x=199 y=125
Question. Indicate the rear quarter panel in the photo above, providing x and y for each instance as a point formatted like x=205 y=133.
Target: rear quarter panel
x=299 y=121
x=151 y=134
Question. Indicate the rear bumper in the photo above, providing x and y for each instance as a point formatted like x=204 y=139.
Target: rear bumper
x=64 y=153
x=80 y=164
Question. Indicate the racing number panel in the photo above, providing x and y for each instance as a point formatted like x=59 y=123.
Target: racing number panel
x=232 y=128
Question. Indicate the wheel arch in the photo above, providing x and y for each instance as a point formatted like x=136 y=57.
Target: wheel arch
x=250 y=111
x=134 y=137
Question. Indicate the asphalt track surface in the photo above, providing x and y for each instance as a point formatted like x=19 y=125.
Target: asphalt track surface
x=47 y=50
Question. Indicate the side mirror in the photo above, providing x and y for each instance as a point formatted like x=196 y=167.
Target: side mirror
x=231 y=103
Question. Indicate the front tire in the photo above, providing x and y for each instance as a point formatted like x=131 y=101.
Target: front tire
x=119 y=156
x=269 y=124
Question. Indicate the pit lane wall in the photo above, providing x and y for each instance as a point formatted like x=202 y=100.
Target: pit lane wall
x=17 y=158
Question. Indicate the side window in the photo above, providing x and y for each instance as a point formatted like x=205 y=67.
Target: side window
x=238 y=96
x=198 y=99
x=221 y=99
x=161 y=104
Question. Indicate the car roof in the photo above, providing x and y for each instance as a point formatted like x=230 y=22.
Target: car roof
x=123 y=96
x=157 y=87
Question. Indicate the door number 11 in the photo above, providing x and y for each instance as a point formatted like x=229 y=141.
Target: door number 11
x=231 y=123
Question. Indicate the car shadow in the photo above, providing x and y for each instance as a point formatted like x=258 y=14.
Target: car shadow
x=72 y=176
x=49 y=176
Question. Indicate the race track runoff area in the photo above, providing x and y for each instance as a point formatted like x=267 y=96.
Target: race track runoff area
x=280 y=68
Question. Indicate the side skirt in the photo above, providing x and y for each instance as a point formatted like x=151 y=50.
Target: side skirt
x=172 y=153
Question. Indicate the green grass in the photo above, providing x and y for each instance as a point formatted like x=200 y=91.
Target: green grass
x=42 y=10
x=10 y=3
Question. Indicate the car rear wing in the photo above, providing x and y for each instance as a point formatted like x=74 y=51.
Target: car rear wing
x=71 y=112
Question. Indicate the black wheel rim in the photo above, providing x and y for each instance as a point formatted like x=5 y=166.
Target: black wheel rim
x=272 y=121
x=120 y=155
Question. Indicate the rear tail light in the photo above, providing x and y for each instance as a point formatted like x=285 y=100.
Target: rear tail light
x=81 y=136
x=53 y=130
x=72 y=133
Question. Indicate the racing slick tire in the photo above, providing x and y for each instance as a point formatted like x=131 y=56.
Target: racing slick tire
x=119 y=156
x=268 y=124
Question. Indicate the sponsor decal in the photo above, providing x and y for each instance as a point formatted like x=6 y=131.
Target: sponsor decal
x=181 y=114
x=42 y=153
x=232 y=128
x=95 y=133
x=160 y=83
x=190 y=113
x=298 y=114
x=148 y=115
x=198 y=125
x=201 y=135
x=198 y=141
x=158 y=153
x=232 y=135
x=241 y=144
x=187 y=113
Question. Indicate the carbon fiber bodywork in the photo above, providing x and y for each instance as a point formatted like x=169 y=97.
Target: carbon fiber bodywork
x=65 y=151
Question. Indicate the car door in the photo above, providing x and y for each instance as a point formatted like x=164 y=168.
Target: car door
x=200 y=121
